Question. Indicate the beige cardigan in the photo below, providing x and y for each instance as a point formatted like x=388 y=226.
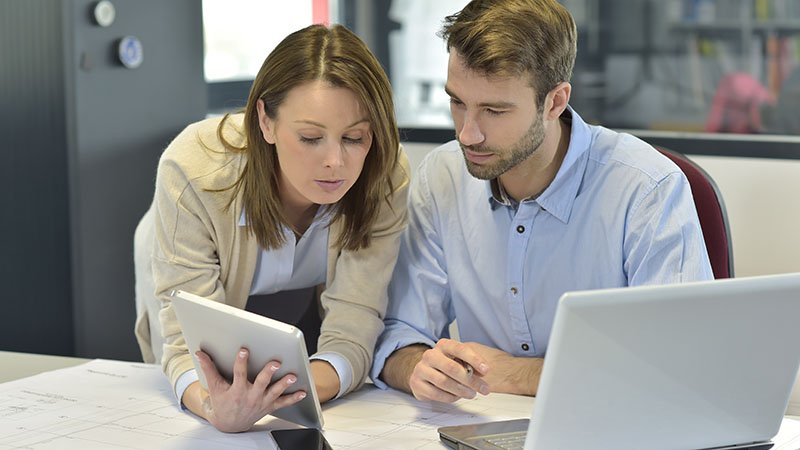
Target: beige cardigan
x=197 y=246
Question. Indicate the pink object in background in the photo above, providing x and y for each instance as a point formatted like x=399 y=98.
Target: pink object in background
x=736 y=107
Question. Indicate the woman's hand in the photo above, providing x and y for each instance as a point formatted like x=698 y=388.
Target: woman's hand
x=235 y=407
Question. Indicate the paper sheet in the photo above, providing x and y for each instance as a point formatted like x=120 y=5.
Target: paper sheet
x=112 y=404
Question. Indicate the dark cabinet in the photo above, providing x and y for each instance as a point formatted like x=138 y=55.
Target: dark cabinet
x=81 y=136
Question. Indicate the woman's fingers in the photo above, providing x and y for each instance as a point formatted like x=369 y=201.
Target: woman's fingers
x=214 y=380
x=240 y=369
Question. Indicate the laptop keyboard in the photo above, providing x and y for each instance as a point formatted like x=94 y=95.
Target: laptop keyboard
x=508 y=441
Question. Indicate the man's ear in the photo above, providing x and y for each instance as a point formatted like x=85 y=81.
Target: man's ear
x=557 y=100
x=266 y=124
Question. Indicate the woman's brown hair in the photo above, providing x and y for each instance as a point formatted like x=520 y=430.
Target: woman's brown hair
x=336 y=56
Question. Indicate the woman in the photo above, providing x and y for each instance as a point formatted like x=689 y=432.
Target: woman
x=307 y=185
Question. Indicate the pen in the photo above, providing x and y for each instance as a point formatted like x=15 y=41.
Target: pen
x=467 y=367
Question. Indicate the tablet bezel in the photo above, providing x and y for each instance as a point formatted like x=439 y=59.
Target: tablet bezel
x=220 y=330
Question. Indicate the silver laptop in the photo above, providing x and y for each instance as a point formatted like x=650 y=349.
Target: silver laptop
x=687 y=366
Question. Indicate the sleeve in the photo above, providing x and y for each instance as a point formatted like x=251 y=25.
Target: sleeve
x=355 y=301
x=663 y=239
x=419 y=309
x=184 y=257
x=342 y=368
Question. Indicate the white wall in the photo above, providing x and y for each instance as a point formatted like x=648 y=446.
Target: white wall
x=763 y=201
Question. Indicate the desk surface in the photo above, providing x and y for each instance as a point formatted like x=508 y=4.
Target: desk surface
x=116 y=404
x=20 y=365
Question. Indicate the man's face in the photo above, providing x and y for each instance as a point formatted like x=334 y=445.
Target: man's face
x=497 y=121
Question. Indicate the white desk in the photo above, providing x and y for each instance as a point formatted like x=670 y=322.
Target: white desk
x=15 y=365
x=114 y=404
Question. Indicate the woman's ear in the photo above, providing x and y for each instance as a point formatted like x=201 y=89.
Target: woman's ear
x=266 y=124
x=557 y=100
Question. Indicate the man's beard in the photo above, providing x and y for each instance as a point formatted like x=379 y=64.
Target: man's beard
x=507 y=158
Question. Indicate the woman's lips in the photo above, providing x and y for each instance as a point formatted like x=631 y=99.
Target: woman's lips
x=329 y=185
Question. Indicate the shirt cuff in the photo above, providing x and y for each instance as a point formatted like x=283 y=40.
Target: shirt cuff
x=342 y=368
x=186 y=378
x=393 y=338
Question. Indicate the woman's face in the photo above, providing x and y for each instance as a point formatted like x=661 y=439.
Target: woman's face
x=322 y=137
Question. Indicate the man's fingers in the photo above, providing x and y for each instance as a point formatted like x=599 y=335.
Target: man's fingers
x=428 y=392
x=429 y=379
x=457 y=370
x=424 y=388
x=460 y=351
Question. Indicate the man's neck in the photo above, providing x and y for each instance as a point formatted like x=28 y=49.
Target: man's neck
x=532 y=176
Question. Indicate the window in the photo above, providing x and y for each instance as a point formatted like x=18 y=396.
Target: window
x=661 y=67
x=239 y=34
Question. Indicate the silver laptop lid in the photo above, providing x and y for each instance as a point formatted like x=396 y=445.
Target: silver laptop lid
x=694 y=365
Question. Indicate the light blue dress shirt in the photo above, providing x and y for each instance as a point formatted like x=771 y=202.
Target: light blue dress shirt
x=618 y=213
x=296 y=265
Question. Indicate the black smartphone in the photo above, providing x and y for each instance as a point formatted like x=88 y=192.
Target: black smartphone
x=300 y=439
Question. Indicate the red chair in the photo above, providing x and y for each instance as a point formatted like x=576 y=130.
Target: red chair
x=711 y=211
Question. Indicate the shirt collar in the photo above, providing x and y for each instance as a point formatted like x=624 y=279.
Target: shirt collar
x=559 y=197
x=322 y=218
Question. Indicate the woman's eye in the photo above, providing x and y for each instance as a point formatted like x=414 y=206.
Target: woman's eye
x=309 y=140
x=351 y=140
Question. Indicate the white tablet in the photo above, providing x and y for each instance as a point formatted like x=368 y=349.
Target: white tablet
x=221 y=330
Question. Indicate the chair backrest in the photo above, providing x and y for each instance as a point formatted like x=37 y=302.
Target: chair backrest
x=711 y=212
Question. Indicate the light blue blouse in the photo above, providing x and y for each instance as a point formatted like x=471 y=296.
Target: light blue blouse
x=296 y=265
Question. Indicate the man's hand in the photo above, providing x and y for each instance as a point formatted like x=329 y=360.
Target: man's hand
x=441 y=373
x=438 y=373
x=509 y=374
x=235 y=407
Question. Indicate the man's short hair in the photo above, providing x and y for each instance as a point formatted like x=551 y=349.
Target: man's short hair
x=508 y=38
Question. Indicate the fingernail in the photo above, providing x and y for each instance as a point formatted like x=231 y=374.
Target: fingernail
x=274 y=367
x=301 y=395
x=291 y=380
x=242 y=354
x=484 y=389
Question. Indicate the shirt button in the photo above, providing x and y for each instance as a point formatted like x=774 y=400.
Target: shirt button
x=520 y=229
x=525 y=347
x=514 y=291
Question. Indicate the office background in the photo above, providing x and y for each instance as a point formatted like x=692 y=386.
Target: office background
x=83 y=132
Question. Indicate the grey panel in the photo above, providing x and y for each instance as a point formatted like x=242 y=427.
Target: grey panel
x=83 y=137
x=125 y=119
x=34 y=267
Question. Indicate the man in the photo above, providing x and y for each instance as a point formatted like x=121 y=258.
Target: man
x=529 y=202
